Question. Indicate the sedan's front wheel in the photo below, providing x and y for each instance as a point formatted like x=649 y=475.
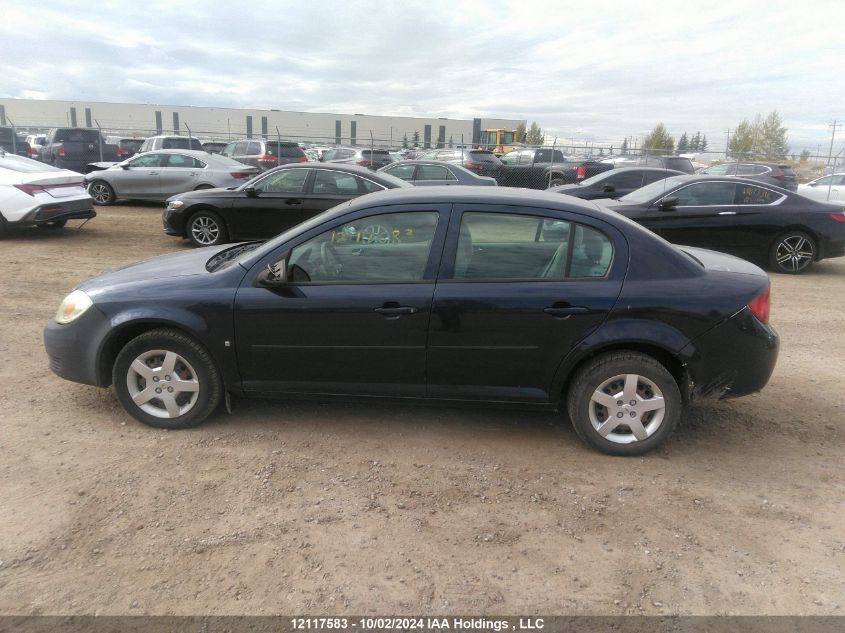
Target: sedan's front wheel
x=792 y=253
x=206 y=228
x=101 y=192
x=166 y=379
x=624 y=403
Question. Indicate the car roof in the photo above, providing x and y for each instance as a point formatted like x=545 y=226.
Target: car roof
x=344 y=167
x=689 y=178
x=196 y=153
x=662 y=170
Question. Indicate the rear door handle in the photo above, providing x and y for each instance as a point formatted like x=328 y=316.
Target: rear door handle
x=293 y=201
x=153 y=173
x=395 y=311
x=566 y=312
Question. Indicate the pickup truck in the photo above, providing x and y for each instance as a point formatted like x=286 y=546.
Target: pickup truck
x=536 y=168
x=74 y=147
x=12 y=143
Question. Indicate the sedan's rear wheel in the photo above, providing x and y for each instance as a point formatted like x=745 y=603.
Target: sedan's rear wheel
x=792 y=253
x=166 y=379
x=206 y=228
x=101 y=192
x=624 y=403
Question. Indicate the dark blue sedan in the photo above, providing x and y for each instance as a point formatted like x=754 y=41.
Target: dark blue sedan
x=462 y=294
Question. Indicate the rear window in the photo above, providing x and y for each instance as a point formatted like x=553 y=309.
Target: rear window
x=485 y=157
x=284 y=150
x=381 y=154
x=77 y=136
x=181 y=143
x=681 y=164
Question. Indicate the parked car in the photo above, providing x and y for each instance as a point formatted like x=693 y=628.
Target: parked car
x=269 y=204
x=365 y=157
x=826 y=189
x=536 y=168
x=264 y=154
x=592 y=167
x=35 y=194
x=214 y=147
x=12 y=143
x=431 y=172
x=615 y=183
x=770 y=173
x=36 y=143
x=164 y=141
x=126 y=146
x=75 y=147
x=481 y=161
x=623 y=330
x=161 y=174
x=762 y=223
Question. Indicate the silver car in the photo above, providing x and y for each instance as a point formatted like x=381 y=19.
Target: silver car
x=159 y=175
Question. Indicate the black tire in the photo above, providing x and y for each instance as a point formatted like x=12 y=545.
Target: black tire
x=556 y=182
x=192 y=363
x=55 y=224
x=2 y=225
x=609 y=367
x=792 y=253
x=206 y=228
x=101 y=192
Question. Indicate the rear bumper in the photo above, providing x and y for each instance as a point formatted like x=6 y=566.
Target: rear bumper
x=58 y=210
x=733 y=359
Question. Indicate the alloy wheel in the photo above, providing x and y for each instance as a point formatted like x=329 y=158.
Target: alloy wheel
x=100 y=192
x=627 y=408
x=794 y=253
x=162 y=384
x=205 y=230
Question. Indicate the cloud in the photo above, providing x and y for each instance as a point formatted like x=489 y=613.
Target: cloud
x=600 y=71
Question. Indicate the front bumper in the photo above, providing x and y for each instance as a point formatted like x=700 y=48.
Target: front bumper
x=73 y=348
x=58 y=210
x=733 y=359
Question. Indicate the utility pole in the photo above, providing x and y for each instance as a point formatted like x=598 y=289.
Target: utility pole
x=834 y=125
x=727 y=142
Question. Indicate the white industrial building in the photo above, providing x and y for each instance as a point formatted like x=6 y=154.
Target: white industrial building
x=133 y=119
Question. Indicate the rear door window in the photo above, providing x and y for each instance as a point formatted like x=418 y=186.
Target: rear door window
x=749 y=194
x=434 y=172
x=405 y=172
x=180 y=160
x=335 y=182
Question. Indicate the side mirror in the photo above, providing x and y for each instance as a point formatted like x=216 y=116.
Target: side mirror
x=668 y=204
x=274 y=276
x=813 y=184
x=124 y=165
x=609 y=189
x=250 y=192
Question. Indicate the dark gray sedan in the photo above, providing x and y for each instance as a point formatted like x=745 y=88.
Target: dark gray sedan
x=163 y=173
x=435 y=172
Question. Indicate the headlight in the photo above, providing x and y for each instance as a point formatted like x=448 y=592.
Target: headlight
x=175 y=204
x=73 y=306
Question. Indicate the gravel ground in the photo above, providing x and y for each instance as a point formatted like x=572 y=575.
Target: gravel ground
x=292 y=507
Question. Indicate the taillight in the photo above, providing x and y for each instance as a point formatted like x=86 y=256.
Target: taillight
x=472 y=165
x=241 y=175
x=302 y=159
x=760 y=305
x=266 y=158
x=31 y=189
x=60 y=150
x=580 y=172
x=33 y=151
x=839 y=217
x=364 y=163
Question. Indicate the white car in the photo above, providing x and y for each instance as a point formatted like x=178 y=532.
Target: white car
x=818 y=189
x=35 y=194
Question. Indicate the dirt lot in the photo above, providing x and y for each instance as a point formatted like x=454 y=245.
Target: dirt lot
x=298 y=507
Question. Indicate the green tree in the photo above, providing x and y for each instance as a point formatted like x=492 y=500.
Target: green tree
x=703 y=145
x=519 y=134
x=405 y=141
x=624 y=149
x=770 y=139
x=535 y=135
x=659 y=141
x=683 y=143
x=805 y=156
x=741 y=144
x=416 y=138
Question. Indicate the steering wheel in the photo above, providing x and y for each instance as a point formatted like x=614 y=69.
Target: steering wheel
x=330 y=261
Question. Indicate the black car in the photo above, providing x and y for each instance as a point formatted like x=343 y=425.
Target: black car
x=12 y=142
x=592 y=167
x=270 y=203
x=264 y=154
x=771 y=173
x=762 y=223
x=365 y=157
x=615 y=183
x=473 y=295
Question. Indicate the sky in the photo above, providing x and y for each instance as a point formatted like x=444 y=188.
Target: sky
x=584 y=71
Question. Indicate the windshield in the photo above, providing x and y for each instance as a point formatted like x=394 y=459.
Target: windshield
x=655 y=189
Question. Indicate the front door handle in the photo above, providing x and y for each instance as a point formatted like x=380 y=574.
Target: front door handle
x=727 y=212
x=566 y=312
x=153 y=173
x=293 y=201
x=395 y=311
